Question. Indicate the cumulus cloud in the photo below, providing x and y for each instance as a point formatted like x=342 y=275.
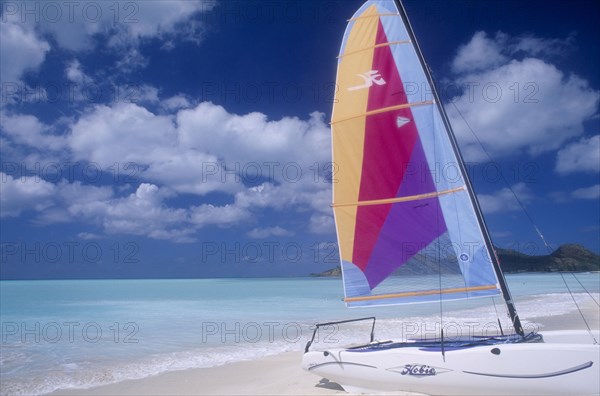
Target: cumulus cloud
x=124 y=132
x=176 y=102
x=580 y=156
x=75 y=73
x=247 y=139
x=585 y=193
x=259 y=163
x=21 y=50
x=29 y=130
x=478 y=54
x=177 y=147
x=28 y=27
x=322 y=224
x=514 y=101
x=592 y=192
x=51 y=202
x=504 y=200
x=86 y=236
x=483 y=53
x=207 y=149
x=74 y=26
x=24 y=193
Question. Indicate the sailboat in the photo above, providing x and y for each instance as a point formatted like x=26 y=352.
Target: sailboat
x=403 y=205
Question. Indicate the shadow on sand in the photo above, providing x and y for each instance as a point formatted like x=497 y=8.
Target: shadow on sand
x=326 y=384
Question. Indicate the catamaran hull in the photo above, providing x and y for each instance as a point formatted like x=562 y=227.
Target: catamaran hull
x=560 y=366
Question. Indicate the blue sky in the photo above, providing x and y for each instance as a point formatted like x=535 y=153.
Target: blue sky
x=186 y=139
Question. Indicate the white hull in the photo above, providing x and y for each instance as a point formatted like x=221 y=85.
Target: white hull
x=566 y=363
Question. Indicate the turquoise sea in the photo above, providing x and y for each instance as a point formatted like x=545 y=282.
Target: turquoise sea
x=83 y=333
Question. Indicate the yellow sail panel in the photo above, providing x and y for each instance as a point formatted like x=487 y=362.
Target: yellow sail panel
x=349 y=99
x=348 y=140
x=348 y=136
x=344 y=217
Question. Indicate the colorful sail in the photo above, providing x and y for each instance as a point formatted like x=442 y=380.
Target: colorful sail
x=401 y=202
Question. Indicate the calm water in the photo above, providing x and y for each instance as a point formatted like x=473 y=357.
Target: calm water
x=61 y=334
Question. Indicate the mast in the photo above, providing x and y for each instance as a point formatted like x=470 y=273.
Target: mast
x=478 y=213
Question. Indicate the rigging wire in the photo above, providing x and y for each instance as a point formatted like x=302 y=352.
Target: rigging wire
x=577 y=305
x=513 y=320
x=439 y=254
x=537 y=230
x=586 y=290
x=497 y=316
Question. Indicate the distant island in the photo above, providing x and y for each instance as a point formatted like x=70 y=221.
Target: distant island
x=569 y=257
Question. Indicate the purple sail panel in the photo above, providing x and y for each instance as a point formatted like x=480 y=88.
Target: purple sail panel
x=416 y=222
x=421 y=222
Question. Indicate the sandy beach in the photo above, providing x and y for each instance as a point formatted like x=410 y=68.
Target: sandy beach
x=276 y=375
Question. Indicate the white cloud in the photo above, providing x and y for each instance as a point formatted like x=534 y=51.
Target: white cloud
x=122 y=133
x=88 y=236
x=28 y=130
x=21 y=50
x=306 y=197
x=538 y=46
x=189 y=171
x=592 y=192
x=78 y=26
x=143 y=213
x=206 y=149
x=24 y=193
x=504 y=200
x=52 y=202
x=516 y=105
x=484 y=53
x=266 y=232
x=124 y=23
x=196 y=151
x=68 y=200
x=156 y=18
x=75 y=74
x=322 y=224
x=224 y=216
x=478 y=54
x=580 y=156
x=82 y=87
x=176 y=102
x=247 y=139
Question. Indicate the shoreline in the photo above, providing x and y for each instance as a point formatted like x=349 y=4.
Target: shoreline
x=571 y=320
x=279 y=374
x=273 y=375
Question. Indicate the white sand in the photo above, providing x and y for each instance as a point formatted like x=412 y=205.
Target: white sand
x=571 y=321
x=275 y=375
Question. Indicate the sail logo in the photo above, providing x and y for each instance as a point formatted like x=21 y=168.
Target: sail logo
x=401 y=121
x=371 y=77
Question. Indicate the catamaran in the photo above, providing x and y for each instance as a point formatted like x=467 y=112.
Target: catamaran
x=396 y=215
